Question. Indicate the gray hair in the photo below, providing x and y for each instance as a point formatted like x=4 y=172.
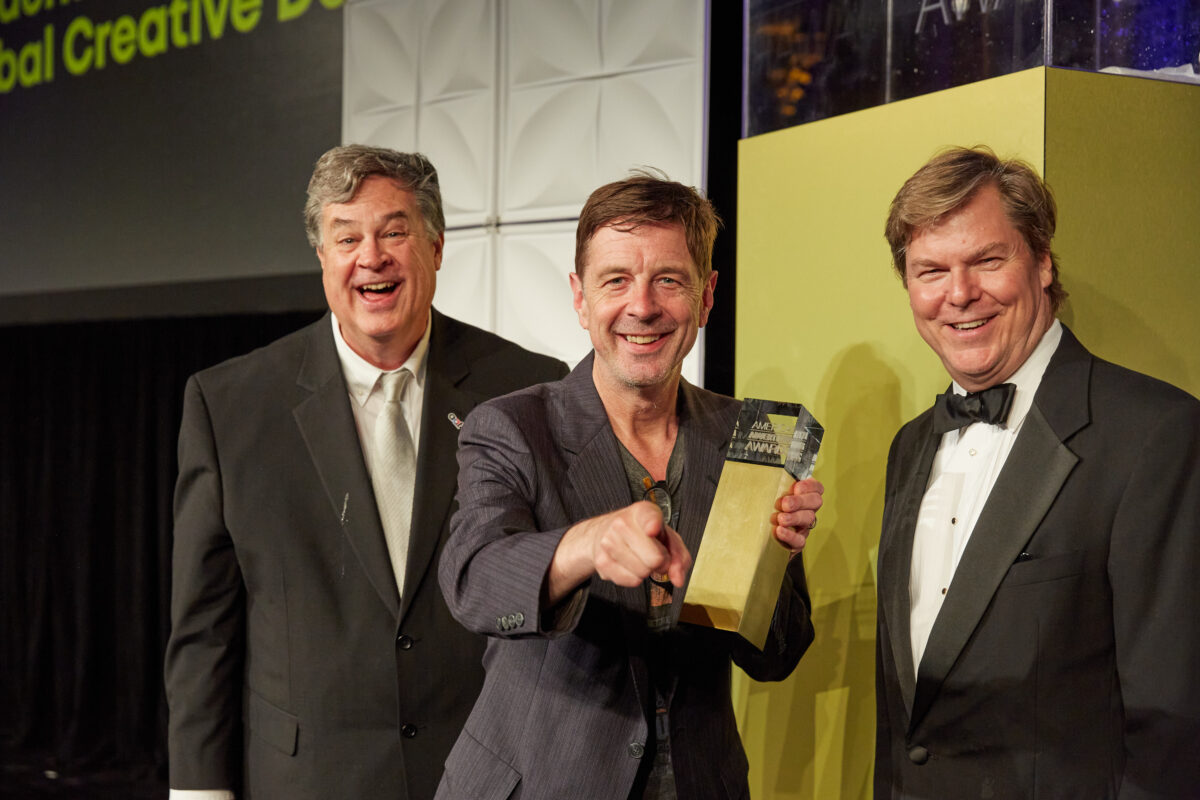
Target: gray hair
x=340 y=171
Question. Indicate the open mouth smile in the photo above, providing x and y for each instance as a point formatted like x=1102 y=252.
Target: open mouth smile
x=384 y=287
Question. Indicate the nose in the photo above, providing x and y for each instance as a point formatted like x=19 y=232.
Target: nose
x=643 y=303
x=963 y=289
x=371 y=255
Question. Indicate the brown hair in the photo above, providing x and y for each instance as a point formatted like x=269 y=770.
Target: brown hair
x=341 y=170
x=951 y=179
x=648 y=197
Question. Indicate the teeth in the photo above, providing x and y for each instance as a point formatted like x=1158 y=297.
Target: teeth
x=377 y=287
x=640 y=339
x=966 y=326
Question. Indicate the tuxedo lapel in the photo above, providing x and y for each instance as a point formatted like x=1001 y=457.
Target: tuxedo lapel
x=1026 y=488
x=437 y=462
x=895 y=558
x=327 y=425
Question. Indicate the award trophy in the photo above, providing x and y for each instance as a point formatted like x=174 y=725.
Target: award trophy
x=739 y=568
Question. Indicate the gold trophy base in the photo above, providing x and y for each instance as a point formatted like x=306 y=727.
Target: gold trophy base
x=739 y=569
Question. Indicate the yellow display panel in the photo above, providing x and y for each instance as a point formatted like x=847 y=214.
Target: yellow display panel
x=822 y=319
x=1123 y=158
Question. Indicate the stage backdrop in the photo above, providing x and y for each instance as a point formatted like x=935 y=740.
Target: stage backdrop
x=147 y=144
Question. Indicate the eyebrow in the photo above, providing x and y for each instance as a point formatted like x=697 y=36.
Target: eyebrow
x=974 y=255
x=986 y=249
x=338 y=222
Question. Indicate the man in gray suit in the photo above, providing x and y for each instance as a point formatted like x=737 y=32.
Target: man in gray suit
x=1041 y=528
x=311 y=653
x=580 y=504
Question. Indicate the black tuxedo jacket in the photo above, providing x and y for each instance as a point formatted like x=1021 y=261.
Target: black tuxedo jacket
x=563 y=712
x=294 y=670
x=1065 y=661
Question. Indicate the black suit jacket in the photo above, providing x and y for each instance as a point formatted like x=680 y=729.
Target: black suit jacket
x=293 y=669
x=563 y=712
x=1065 y=661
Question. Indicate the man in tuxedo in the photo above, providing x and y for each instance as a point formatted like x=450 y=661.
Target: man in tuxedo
x=1037 y=628
x=311 y=653
x=580 y=504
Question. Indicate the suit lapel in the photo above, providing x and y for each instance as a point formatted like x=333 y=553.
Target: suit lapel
x=596 y=481
x=437 y=464
x=707 y=432
x=595 y=474
x=1027 y=486
x=327 y=425
x=895 y=559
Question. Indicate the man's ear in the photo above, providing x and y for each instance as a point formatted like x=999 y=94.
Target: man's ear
x=707 y=297
x=439 y=245
x=580 y=304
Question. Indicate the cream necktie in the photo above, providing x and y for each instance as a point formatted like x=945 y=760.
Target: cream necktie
x=394 y=472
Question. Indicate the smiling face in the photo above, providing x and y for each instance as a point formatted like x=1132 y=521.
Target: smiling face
x=379 y=269
x=642 y=302
x=977 y=293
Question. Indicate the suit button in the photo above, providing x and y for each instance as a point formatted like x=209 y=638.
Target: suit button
x=918 y=755
x=636 y=750
x=408 y=730
x=405 y=641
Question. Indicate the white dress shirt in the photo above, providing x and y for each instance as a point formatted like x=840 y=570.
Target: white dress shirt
x=965 y=469
x=366 y=400
x=366 y=392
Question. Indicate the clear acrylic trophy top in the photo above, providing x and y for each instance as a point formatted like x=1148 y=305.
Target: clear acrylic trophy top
x=778 y=435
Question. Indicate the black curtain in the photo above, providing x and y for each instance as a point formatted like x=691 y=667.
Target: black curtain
x=89 y=415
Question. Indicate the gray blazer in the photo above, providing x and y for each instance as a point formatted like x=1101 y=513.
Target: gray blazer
x=293 y=669
x=564 y=706
x=1065 y=661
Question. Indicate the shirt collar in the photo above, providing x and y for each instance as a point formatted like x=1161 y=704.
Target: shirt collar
x=362 y=376
x=1028 y=376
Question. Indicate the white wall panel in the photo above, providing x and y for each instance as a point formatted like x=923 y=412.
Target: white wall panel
x=459 y=48
x=395 y=128
x=533 y=293
x=636 y=33
x=651 y=119
x=457 y=136
x=549 y=162
x=552 y=40
x=526 y=106
x=382 y=51
x=466 y=282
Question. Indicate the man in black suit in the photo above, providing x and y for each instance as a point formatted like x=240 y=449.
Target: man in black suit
x=593 y=690
x=311 y=653
x=1041 y=530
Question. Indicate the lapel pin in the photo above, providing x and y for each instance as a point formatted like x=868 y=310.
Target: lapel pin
x=455 y=421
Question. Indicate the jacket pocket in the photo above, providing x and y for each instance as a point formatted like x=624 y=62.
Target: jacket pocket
x=473 y=772
x=1049 y=568
x=272 y=724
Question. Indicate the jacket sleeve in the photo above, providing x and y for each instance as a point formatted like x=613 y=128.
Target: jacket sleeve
x=790 y=635
x=1152 y=565
x=493 y=568
x=205 y=652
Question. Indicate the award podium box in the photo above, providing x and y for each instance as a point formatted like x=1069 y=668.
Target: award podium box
x=739 y=568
